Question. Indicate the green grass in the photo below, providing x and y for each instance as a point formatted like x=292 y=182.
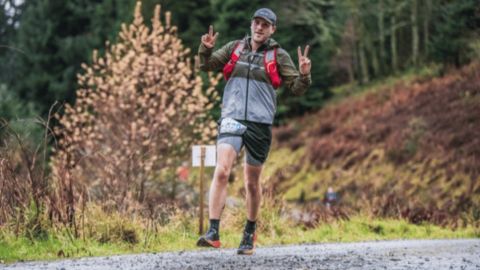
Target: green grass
x=356 y=229
x=272 y=232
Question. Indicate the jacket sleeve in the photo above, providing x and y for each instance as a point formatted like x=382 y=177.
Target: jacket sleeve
x=214 y=60
x=294 y=81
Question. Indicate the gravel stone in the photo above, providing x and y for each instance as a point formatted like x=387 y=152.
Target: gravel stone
x=400 y=254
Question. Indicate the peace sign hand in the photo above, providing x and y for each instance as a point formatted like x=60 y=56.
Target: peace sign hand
x=209 y=39
x=304 y=63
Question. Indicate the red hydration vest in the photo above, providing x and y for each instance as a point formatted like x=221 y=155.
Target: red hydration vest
x=269 y=60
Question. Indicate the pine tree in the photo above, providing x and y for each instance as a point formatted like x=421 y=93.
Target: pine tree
x=56 y=37
x=10 y=14
x=454 y=24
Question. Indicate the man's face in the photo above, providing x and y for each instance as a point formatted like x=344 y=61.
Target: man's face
x=261 y=30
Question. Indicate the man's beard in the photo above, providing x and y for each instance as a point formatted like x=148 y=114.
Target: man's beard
x=259 y=38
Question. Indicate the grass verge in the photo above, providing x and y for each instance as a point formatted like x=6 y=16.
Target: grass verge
x=173 y=237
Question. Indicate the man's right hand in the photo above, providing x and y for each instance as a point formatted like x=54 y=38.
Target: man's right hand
x=208 y=40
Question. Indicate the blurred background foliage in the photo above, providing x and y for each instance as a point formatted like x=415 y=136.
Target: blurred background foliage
x=43 y=42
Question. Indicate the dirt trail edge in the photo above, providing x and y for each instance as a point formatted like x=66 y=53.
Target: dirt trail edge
x=402 y=254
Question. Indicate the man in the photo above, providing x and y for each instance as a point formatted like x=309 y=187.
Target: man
x=254 y=67
x=331 y=198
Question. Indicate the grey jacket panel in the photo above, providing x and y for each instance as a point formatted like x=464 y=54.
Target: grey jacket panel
x=233 y=101
x=260 y=104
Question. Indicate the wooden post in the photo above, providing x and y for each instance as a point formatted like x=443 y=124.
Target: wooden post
x=202 y=166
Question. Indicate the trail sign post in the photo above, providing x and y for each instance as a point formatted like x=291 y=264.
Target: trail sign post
x=203 y=155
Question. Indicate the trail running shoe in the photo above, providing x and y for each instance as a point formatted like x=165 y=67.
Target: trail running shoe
x=209 y=239
x=247 y=246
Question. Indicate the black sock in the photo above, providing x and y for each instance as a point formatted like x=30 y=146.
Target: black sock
x=250 y=226
x=215 y=224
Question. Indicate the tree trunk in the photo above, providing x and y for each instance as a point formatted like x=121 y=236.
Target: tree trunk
x=426 y=25
x=363 y=63
x=415 y=38
x=393 y=41
x=355 y=66
x=381 y=30
x=372 y=52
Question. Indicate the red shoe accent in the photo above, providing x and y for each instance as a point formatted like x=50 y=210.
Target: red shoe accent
x=215 y=244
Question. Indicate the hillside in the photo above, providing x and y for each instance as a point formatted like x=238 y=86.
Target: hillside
x=411 y=150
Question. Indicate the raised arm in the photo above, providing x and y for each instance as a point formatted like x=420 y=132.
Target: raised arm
x=297 y=82
x=210 y=60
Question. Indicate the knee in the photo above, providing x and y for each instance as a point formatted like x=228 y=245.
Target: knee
x=253 y=186
x=222 y=173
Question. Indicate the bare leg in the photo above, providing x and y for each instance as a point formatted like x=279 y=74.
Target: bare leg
x=218 y=189
x=253 y=190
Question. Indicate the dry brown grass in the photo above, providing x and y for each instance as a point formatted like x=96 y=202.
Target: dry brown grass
x=410 y=151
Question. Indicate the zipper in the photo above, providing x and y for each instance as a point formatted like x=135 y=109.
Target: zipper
x=250 y=57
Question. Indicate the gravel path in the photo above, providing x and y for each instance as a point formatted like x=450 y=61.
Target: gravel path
x=408 y=254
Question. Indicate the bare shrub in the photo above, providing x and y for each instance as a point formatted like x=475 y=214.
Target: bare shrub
x=138 y=110
x=24 y=193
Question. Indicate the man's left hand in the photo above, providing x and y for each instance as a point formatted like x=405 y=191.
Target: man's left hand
x=304 y=63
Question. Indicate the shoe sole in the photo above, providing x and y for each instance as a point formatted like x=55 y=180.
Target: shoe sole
x=202 y=242
x=246 y=252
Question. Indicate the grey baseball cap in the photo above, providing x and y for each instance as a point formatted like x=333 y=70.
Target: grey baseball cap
x=266 y=14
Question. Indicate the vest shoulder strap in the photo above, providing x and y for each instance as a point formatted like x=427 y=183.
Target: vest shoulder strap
x=271 y=55
x=237 y=50
x=270 y=62
x=230 y=65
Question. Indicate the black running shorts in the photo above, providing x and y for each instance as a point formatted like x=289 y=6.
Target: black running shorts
x=257 y=140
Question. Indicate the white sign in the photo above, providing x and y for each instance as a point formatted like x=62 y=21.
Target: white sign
x=210 y=155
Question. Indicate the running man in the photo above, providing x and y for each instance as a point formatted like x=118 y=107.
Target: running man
x=254 y=68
